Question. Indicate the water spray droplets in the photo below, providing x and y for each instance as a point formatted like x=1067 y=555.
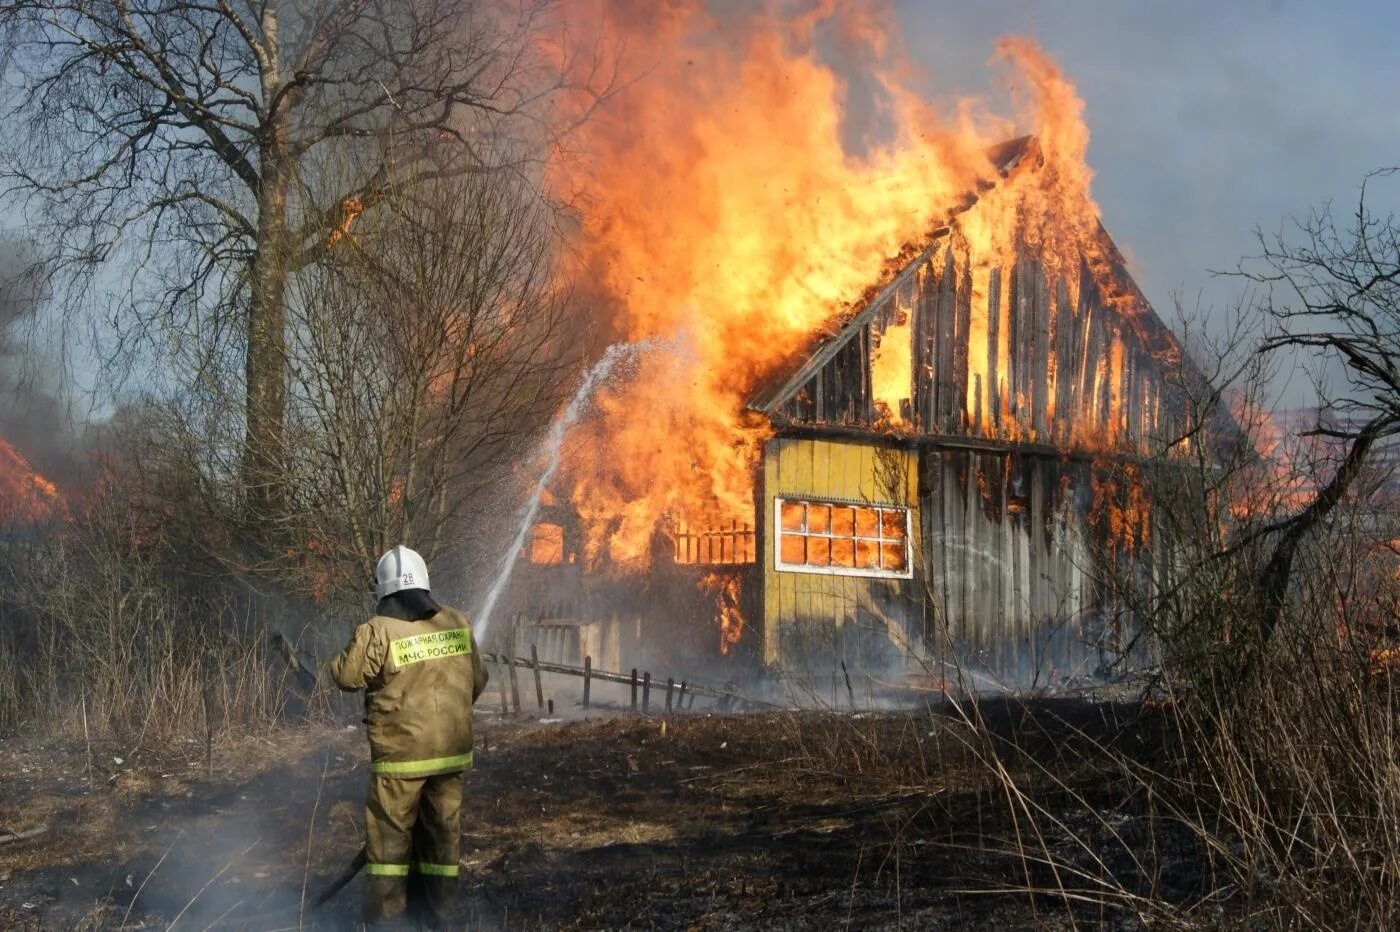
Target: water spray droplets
x=619 y=358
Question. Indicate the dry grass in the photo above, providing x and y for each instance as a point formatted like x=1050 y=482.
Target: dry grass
x=1290 y=780
x=1260 y=783
x=1256 y=782
x=154 y=677
x=110 y=632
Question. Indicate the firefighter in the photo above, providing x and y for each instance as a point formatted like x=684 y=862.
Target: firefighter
x=418 y=664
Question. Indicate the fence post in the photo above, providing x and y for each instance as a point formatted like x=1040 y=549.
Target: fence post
x=501 y=682
x=539 y=687
x=634 y=689
x=587 y=677
x=646 y=692
x=514 y=681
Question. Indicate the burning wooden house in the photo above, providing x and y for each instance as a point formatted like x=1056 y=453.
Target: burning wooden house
x=947 y=471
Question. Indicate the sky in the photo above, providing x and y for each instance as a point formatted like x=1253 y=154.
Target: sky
x=1207 y=119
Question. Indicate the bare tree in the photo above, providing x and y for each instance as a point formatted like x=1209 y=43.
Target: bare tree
x=1332 y=290
x=423 y=357
x=184 y=139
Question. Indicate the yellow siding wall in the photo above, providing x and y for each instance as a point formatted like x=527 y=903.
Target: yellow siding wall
x=828 y=470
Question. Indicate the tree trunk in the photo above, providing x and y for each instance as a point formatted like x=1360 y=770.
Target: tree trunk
x=266 y=362
x=1273 y=580
x=265 y=409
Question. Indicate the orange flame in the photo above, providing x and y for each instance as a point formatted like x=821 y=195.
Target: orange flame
x=1119 y=506
x=725 y=591
x=546 y=544
x=350 y=210
x=892 y=370
x=724 y=214
x=1278 y=478
x=26 y=497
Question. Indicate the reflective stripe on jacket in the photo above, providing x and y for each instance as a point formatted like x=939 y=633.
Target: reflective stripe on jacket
x=420 y=680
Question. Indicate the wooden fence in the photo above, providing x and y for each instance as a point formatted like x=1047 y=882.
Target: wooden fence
x=679 y=697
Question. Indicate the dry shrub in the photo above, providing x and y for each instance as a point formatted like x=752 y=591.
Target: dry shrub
x=1256 y=781
x=110 y=630
x=1288 y=766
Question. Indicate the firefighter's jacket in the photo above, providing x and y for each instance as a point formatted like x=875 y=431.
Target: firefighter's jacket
x=420 y=680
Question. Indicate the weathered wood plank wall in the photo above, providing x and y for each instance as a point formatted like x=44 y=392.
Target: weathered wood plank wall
x=1009 y=551
x=1011 y=562
x=1006 y=354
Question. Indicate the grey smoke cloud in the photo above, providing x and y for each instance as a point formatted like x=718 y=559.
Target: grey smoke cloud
x=34 y=416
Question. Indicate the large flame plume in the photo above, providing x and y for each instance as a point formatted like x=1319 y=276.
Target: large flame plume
x=725 y=212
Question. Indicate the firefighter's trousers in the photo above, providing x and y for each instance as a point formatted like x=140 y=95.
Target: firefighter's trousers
x=411 y=831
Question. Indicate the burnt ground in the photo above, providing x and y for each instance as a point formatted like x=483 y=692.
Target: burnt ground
x=785 y=820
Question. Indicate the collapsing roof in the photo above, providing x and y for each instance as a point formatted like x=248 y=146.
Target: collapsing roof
x=1068 y=357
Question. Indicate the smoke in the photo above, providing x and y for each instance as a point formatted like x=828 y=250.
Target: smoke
x=35 y=416
x=860 y=47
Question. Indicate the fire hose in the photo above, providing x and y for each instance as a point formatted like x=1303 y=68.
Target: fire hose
x=325 y=896
x=340 y=881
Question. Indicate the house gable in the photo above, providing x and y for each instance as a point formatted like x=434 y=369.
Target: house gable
x=1016 y=355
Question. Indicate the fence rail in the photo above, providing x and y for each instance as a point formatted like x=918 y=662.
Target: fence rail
x=635 y=679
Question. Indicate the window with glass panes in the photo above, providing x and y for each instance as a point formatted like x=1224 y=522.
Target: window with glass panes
x=842 y=538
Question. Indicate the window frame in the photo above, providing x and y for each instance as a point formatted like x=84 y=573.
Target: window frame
x=878 y=572
x=527 y=552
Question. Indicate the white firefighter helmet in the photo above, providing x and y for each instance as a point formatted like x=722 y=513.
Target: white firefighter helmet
x=398 y=569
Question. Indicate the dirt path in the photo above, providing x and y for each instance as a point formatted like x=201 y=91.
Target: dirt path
x=789 y=820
